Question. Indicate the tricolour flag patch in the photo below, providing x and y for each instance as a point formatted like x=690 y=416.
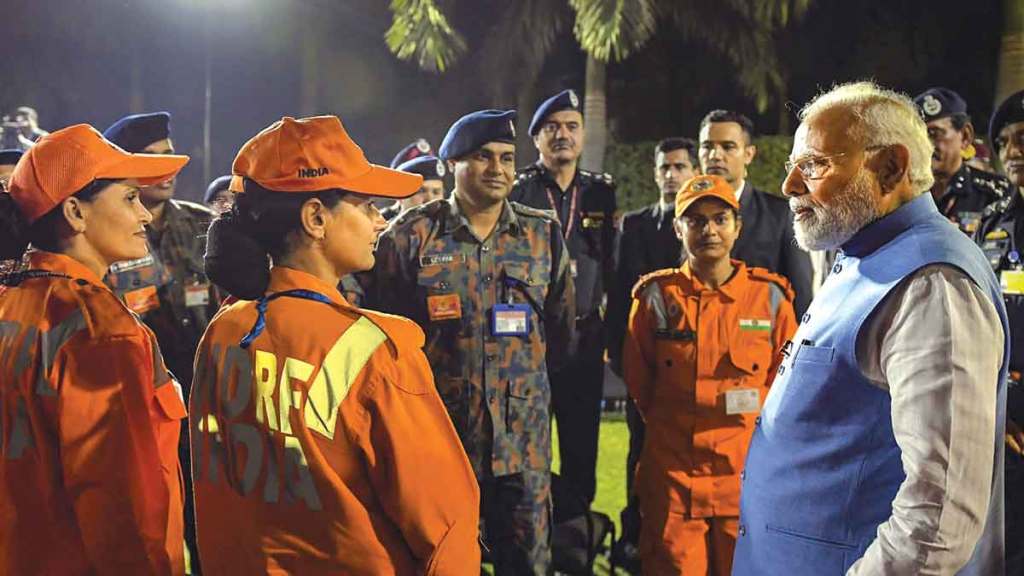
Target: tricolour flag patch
x=755 y=324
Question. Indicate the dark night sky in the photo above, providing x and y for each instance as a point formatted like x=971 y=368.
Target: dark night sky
x=77 y=62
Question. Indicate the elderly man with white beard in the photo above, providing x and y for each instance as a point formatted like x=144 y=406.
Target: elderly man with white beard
x=879 y=447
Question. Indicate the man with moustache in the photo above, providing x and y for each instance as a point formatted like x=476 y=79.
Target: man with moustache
x=488 y=281
x=1002 y=240
x=879 y=449
x=960 y=191
x=584 y=203
x=168 y=287
x=646 y=242
x=727 y=149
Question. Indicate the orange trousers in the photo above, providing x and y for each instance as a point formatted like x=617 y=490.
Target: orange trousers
x=671 y=543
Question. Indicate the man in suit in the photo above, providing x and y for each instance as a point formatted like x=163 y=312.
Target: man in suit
x=726 y=150
x=646 y=242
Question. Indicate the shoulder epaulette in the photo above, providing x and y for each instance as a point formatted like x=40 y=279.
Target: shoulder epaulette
x=529 y=211
x=603 y=177
x=102 y=313
x=527 y=173
x=765 y=275
x=650 y=277
x=998 y=207
x=404 y=333
x=427 y=210
x=994 y=183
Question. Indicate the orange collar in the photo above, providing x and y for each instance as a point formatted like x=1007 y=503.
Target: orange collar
x=62 y=264
x=283 y=279
x=730 y=289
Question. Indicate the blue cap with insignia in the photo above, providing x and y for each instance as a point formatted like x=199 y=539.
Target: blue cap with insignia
x=219 y=184
x=476 y=129
x=10 y=157
x=935 y=103
x=564 y=100
x=420 y=147
x=430 y=167
x=1009 y=112
x=135 y=132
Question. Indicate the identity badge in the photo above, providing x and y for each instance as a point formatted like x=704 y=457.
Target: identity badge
x=444 y=307
x=197 y=295
x=742 y=401
x=1012 y=281
x=511 y=319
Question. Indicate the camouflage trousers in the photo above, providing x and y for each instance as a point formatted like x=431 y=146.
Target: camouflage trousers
x=515 y=511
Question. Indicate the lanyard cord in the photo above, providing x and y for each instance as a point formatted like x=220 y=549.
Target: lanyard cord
x=572 y=208
x=261 y=310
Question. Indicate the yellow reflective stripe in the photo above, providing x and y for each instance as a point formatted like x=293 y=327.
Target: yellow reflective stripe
x=343 y=363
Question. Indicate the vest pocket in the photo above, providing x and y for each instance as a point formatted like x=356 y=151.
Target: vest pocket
x=814 y=555
x=815 y=354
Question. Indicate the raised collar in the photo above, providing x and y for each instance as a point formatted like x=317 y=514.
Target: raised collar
x=730 y=289
x=454 y=218
x=881 y=231
x=62 y=264
x=283 y=279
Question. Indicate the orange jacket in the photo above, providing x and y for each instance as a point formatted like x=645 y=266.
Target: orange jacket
x=89 y=476
x=324 y=448
x=692 y=356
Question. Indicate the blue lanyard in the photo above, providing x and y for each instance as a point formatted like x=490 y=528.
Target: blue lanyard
x=261 y=310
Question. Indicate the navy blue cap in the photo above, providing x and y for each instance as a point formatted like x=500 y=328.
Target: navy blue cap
x=430 y=167
x=564 y=100
x=935 y=103
x=219 y=184
x=476 y=129
x=10 y=156
x=1010 y=111
x=135 y=132
x=414 y=150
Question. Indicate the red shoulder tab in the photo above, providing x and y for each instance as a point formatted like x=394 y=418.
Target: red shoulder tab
x=765 y=275
x=648 y=278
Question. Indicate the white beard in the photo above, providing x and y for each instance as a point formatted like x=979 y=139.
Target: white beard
x=830 y=226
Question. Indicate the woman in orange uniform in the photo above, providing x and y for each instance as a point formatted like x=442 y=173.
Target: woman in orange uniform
x=700 y=351
x=89 y=417
x=319 y=443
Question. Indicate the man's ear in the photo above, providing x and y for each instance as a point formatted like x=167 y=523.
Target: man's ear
x=313 y=216
x=891 y=165
x=74 y=213
x=749 y=152
x=967 y=136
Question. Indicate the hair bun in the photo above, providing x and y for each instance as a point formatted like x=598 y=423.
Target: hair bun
x=13 y=229
x=234 y=260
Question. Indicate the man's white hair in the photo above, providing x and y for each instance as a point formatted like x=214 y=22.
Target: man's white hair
x=882 y=117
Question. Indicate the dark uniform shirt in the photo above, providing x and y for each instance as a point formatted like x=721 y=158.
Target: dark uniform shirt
x=168 y=287
x=1001 y=237
x=432 y=268
x=587 y=211
x=969 y=192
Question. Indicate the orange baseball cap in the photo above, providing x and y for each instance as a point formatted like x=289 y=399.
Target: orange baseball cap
x=63 y=162
x=703 y=187
x=314 y=154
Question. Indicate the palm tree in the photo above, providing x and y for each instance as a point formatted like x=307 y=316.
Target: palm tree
x=607 y=30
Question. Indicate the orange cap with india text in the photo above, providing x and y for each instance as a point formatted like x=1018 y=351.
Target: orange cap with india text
x=316 y=154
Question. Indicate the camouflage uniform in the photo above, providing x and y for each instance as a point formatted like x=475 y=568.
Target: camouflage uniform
x=168 y=288
x=495 y=388
x=587 y=209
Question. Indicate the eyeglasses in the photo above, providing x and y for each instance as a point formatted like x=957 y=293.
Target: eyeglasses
x=816 y=167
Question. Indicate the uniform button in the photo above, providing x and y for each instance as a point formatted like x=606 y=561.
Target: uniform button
x=743 y=475
x=755 y=367
x=757 y=421
x=491 y=357
x=837 y=268
x=488 y=278
x=442 y=285
x=743 y=530
x=486 y=248
x=781 y=370
x=185 y=321
x=806 y=318
x=81 y=282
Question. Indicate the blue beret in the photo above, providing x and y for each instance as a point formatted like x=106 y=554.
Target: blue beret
x=430 y=167
x=219 y=184
x=135 y=132
x=1009 y=112
x=476 y=129
x=10 y=156
x=418 y=148
x=935 y=103
x=564 y=100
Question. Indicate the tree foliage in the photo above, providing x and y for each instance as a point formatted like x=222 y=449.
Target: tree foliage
x=420 y=31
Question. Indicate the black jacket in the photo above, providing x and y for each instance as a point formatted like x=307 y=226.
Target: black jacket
x=970 y=191
x=646 y=242
x=767 y=241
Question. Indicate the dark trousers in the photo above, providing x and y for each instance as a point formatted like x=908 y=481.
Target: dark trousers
x=576 y=392
x=1014 y=513
x=516 y=514
x=630 y=516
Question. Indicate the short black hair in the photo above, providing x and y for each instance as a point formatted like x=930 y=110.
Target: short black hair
x=746 y=124
x=677 y=143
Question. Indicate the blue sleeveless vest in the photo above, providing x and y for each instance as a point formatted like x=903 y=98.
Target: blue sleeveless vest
x=823 y=466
